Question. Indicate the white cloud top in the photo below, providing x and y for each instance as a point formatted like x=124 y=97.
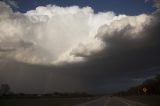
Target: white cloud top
x=58 y=35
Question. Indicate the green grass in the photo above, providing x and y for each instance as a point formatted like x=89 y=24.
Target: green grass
x=61 y=101
x=150 y=100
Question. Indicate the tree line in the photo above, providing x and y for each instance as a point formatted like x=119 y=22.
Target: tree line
x=148 y=87
x=5 y=91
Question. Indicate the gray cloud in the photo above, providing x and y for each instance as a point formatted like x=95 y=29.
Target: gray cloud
x=156 y=3
x=12 y=3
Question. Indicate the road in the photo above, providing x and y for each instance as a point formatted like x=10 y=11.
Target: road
x=112 y=101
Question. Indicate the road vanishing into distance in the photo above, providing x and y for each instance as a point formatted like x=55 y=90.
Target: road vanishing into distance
x=112 y=101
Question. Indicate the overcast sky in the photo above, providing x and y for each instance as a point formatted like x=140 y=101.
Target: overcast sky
x=67 y=45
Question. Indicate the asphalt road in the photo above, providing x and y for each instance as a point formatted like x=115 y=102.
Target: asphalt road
x=112 y=101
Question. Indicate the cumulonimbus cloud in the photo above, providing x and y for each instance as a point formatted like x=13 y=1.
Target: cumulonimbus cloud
x=58 y=35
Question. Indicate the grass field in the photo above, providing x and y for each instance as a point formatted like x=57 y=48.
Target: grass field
x=52 y=101
x=150 y=100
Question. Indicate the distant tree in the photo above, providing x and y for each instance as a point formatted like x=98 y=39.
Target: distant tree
x=152 y=87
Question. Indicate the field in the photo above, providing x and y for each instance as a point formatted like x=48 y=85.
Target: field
x=51 y=101
x=150 y=100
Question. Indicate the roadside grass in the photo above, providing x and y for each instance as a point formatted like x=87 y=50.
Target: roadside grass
x=150 y=100
x=60 y=101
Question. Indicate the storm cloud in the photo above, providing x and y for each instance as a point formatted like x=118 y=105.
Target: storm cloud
x=54 y=39
x=52 y=46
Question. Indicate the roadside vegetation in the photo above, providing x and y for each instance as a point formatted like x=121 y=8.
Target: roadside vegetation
x=148 y=92
x=8 y=98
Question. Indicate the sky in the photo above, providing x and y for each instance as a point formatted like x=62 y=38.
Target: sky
x=129 y=7
x=92 y=46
